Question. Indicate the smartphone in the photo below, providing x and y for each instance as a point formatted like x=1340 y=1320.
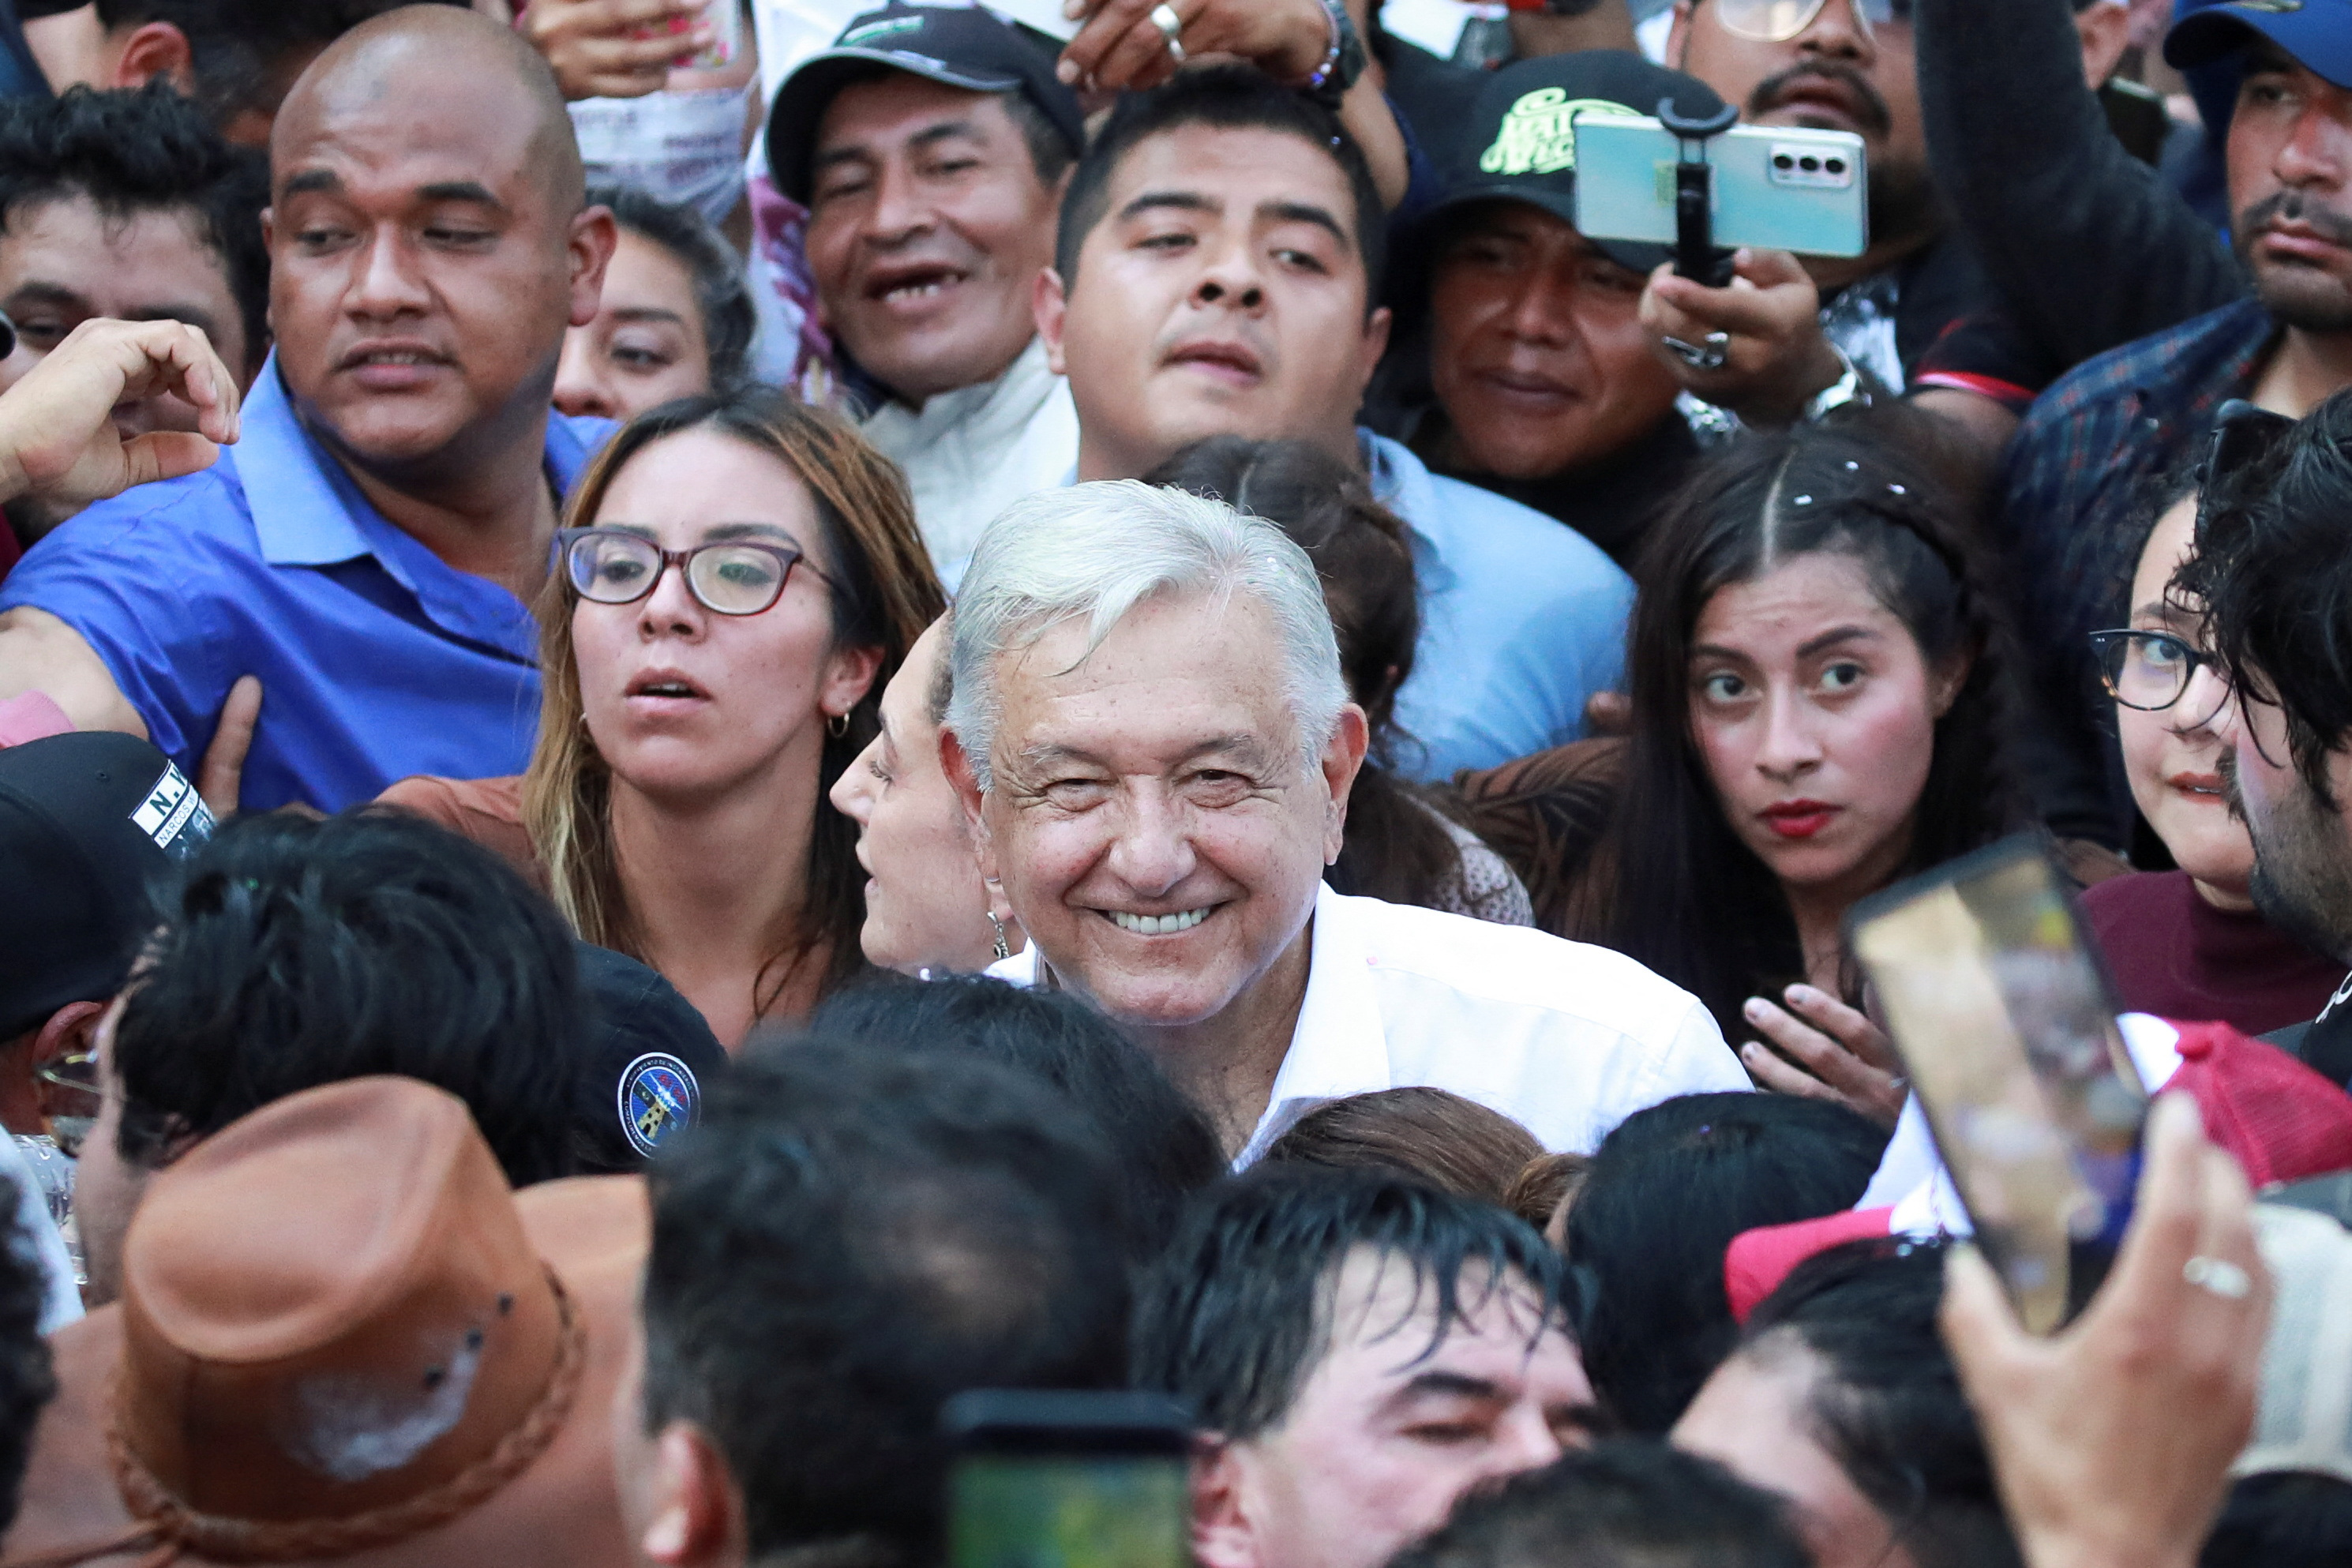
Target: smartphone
x=1046 y=1478
x=1775 y=187
x=2006 y=1025
x=1044 y=16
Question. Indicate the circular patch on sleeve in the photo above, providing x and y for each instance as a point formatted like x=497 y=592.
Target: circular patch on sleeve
x=659 y=1098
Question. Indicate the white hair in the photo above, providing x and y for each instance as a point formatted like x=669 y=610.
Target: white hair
x=1095 y=552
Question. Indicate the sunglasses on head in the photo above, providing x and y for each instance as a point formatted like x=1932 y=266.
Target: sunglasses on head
x=1778 y=21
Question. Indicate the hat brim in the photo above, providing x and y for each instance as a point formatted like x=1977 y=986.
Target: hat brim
x=2310 y=35
x=563 y=1511
x=1431 y=228
x=804 y=96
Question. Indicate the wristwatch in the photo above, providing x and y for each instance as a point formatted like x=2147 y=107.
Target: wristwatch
x=1343 y=62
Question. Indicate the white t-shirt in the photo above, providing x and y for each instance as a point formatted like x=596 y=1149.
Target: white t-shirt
x=1566 y=1039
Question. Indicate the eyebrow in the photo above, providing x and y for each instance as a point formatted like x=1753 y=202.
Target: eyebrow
x=1444 y=1385
x=34 y=292
x=1246 y=748
x=1828 y=640
x=647 y=313
x=1177 y=201
x=50 y=294
x=929 y=137
x=473 y=191
x=2165 y=610
x=723 y=532
x=1305 y=212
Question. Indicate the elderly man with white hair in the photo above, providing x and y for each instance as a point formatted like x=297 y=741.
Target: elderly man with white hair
x=1154 y=747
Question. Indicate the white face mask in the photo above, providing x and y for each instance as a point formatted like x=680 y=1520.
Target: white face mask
x=683 y=147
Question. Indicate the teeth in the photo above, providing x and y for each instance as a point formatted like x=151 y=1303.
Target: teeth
x=919 y=290
x=667 y=688
x=1157 y=925
x=402 y=358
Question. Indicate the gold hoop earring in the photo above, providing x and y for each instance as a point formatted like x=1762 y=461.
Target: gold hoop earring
x=836 y=725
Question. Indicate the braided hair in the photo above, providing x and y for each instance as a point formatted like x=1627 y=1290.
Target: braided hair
x=1692 y=902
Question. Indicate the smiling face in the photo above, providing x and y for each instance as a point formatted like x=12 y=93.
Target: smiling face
x=1842 y=72
x=424 y=265
x=64 y=261
x=1388 y=1431
x=1154 y=819
x=927 y=228
x=2173 y=758
x=926 y=905
x=1814 y=712
x=1222 y=293
x=687 y=704
x=1538 y=355
x=2289 y=156
x=1754 y=1416
x=646 y=344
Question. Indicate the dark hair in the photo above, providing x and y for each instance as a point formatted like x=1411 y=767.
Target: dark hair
x=26 y=1381
x=1167 y=1149
x=1692 y=902
x=295 y=952
x=243 y=53
x=2282 y=1519
x=1626 y=1504
x=139 y=152
x=852 y=1235
x=1668 y=1191
x=1231 y=1319
x=1396 y=845
x=2277 y=583
x=722 y=296
x=1887 y=1404
x=1444 y=1140
x=1226 y=97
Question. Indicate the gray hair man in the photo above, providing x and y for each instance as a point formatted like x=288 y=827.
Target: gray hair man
x=1154 y=746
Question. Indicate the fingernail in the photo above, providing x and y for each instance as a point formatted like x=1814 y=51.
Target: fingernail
x=1802 y=993
x=1066 y=74
x=1753 y=1007
x=1073 y=9
x=1748 y=1049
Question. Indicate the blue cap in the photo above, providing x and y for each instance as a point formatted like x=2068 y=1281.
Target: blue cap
x=2316 y=33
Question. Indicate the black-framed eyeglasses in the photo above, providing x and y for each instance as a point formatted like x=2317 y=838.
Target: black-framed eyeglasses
x=733 y=577
x=70 y=1100
x=1778 y=21
x=2145 y=669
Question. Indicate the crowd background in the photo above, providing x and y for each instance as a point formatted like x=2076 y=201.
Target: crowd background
x=718 y=719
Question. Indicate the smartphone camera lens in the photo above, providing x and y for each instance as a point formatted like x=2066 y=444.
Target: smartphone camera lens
x=1834 y=165
x=1783 y=162
x=1809 y=163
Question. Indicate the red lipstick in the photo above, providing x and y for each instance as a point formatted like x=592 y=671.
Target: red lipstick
x=1798 y=818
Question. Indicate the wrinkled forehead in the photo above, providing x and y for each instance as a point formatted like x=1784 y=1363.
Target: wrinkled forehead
x=1173 y=663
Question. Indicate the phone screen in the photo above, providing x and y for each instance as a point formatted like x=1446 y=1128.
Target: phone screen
x=1071 y=1511
x=1045 y=15
x=2006 y=1027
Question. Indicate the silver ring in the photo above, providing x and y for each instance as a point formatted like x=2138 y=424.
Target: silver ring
x=1710 y=355
x=1171 y=27
x=2219 y=1274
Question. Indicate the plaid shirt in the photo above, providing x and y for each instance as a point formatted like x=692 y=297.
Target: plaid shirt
x=2079 y=478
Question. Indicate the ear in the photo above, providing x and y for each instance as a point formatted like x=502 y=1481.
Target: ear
x=1943 y=682
x=1678 y=36
x=1049 y=303
x=1375 y=344
x=1343 y=758
x=23 y=1097
x=2105 y=32
x=849 y=676
x=593 y=238
x=155 y=49
x=696 y=1515
x=1222 y=1536
x=957 y=765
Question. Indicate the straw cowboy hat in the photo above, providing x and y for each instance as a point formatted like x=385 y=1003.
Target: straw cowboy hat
x=342 y=1339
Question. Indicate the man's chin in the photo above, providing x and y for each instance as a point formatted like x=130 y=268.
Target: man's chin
x=388 y=432
x=2304 y=298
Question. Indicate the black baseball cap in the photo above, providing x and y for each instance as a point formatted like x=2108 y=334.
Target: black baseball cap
x=2317 y=33
x=648 y=1055
x=959 y=45
x=89 y=823
x=1519 y=141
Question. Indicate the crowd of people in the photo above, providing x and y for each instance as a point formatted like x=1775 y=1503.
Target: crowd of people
x=724 y=720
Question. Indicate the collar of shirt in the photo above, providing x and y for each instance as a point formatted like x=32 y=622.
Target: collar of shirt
x=980 y=412
x=1401 y=482
x=308 y=511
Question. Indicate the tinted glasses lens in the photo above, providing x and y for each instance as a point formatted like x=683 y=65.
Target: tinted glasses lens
x=613 y=568
x=1769 y=21
x=737 y=579
x=2147 y=670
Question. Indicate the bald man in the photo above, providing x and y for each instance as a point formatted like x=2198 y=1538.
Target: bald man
x=368 y=548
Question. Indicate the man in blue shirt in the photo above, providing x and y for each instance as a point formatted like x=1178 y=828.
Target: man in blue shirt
x=1219 y=255
x=368 y=550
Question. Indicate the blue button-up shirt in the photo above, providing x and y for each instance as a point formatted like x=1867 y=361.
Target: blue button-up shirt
x=377 y=659
x=1522 y=618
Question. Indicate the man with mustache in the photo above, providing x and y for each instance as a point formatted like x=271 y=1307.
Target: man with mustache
x=1216 y=273
x=2087 y=456
x=1804 y=338
x=369 y=548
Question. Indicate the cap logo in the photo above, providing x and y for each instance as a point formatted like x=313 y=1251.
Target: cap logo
x=1539 y=135
x=174 y=815
x=858 y=38
x=659 y=1097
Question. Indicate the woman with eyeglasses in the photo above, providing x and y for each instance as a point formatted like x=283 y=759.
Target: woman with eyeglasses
x=740 y=577
x=2188 y=942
